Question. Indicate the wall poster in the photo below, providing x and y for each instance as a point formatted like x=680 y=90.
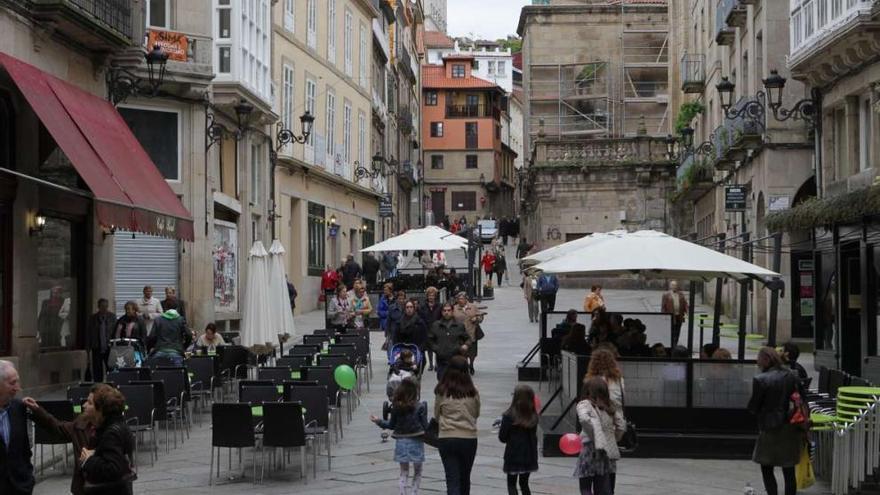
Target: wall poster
x=225 y=255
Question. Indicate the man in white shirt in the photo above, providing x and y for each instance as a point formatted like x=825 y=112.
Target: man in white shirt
x=150 y=308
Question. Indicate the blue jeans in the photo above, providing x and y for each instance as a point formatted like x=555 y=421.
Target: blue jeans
x=458 y=456
x=174 y=357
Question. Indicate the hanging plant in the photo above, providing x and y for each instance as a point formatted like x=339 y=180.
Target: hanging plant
x=815 y=212
x=686 y=114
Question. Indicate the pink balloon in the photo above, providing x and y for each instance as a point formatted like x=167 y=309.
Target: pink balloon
x=570 y=444
x=538 y=404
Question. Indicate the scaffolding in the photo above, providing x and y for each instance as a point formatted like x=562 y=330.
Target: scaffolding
x=569 y=100
x=644 y=72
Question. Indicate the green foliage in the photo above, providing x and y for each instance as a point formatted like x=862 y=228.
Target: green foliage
x=515 y=45
x=816 y=212
x=686 y=114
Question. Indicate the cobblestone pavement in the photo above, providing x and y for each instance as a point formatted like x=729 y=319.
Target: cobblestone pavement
x=362 y=464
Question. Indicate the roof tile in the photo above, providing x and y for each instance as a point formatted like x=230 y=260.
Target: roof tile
x=434 y=76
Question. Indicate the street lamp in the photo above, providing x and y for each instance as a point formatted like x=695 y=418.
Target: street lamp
x=284 y=136
x=725 y=91
x=805 y=109
x=122 y=83
x=243 y=110
x=377 y=168
x=483 y=180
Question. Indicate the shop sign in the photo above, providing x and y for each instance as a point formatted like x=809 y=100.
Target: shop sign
x=735 y=198
x=334 y=230
x=386 y=209
x=779 y=203
x=174 y=44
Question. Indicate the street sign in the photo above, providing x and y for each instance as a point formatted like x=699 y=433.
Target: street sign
x=334 y=230
x=735 y=198
x=386 y=210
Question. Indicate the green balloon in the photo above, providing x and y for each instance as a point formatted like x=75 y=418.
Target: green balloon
x=345 y=376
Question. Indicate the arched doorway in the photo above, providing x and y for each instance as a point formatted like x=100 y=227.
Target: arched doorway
x=803 y=279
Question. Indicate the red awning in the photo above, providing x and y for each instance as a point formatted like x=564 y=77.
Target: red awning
x=130 y=192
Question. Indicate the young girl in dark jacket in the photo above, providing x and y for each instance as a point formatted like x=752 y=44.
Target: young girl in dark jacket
x=519 y=430
x=409 y=419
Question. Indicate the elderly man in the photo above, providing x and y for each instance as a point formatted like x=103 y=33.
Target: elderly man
x=16 y=470
x=675 y=303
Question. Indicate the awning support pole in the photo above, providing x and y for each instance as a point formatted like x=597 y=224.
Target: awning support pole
x=774 y=294
x=743 y=303
x=716 y=321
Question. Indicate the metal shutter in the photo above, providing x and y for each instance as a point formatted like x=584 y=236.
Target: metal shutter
x=143 y=260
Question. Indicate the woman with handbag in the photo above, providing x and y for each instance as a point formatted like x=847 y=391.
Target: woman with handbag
x=456 y=409
x=603 y=364
x=602 y=425
x=779 y=441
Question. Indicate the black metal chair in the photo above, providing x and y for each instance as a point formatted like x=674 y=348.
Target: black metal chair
x=236 y=360
x=551 y=361
x=62 y=410
x=318 y=340
x=204 y=378
x=304 y=350
x=163 y=415
x=141 y=414
x=281 y=429
x=334 y=361
x=294 y=362
x=277 y=374
x=123 y=376
x=231 y=428
x=364 y=356
x=177 y=392
x=313 y=398
x=324 y=376
x=255 y=394
x=154 y=362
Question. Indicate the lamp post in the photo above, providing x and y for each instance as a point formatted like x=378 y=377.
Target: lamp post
x=377 y=168
x=122 y=83
x=283 y=137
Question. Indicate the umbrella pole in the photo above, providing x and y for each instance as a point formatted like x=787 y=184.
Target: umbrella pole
x=743 y=301
x=774 y=294
x=716 y=321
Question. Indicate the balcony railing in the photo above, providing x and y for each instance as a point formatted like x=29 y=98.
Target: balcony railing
x=641 y=150
x=103 y=25
x=734 y=137
x=815 y=20
x=472 y=111
x=724 y=33
x=693 y=72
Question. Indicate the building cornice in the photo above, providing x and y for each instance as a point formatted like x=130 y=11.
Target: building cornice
x=294 y=165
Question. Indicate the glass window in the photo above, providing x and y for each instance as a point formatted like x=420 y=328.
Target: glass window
x=362 y=56
x=436 y=129
x=362 y=138
x=502 y=68
x=289 y=15
x=5 y=278
x=311 y=95
x=256 y=174
x=158 y=132
x=331 y=31
x=437 y=162
x=330 y=131
x=431 y=98
x=471 y=136
x=287 y=97
x=158 y=13
x=826 y=301
x=57 y=284
x=464 y=200
x=368 y=233
x=491 y=69
x=472 y=161
x=348 y=42
x=346 y=132
x=312 y=23
x=458 y=70
x=316 y=239
x=874 y=295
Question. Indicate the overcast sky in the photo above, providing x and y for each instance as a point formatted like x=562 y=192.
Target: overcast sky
x=487 y=19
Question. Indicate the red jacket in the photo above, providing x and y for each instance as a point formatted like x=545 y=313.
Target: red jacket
x=329 y=280
x=488 y=262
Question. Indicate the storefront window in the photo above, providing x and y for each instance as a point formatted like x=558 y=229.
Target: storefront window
x=5 y=279
x=874 y=295
x=826 y=301
x=57 y=285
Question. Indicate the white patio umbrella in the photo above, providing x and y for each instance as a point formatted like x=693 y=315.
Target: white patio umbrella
x=568 y=247
x=652 y=254
x=256 y=324
x=419 y=239
x=281 y=316
x=447 y=235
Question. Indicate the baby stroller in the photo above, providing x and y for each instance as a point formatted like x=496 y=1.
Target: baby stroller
x=125 y=353
x=397 y=373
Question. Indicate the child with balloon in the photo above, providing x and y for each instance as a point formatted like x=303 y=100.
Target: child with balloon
x=602 y=426
x=519 y=430
x=409 y=420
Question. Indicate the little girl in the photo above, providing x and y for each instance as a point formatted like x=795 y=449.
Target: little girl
x=601 y=427
x=519 y=430
x=409 y=419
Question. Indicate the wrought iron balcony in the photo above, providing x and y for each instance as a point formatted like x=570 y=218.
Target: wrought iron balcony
x=737 y=136
x=100 y=25
x=724 y=32
x=693 y=73
x=694 y=177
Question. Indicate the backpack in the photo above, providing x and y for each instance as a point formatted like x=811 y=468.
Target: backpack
x=799 y=413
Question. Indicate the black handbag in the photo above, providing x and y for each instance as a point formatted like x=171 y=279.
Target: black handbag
x=479 y=333
x=432 y=433
x=124 y=486
x=629 y=442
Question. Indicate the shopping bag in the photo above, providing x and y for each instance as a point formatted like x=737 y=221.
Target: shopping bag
x=804 y=470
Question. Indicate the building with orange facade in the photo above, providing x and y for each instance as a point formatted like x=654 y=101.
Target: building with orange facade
x=465 y=172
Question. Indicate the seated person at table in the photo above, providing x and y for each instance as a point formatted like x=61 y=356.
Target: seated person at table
x=722 y=353
x=563 y=328
x=576 y=340
x=210 y=339
x=680 y=352
x=658 y=350
x=708 y=350
x=601 y=330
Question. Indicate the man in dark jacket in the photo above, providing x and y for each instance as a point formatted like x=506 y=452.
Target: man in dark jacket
x=446 y=338
x=169 y=337
x=98 y=331
x=16 y=470
x=371 y=269
x=548 y=286
x=351 y=271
